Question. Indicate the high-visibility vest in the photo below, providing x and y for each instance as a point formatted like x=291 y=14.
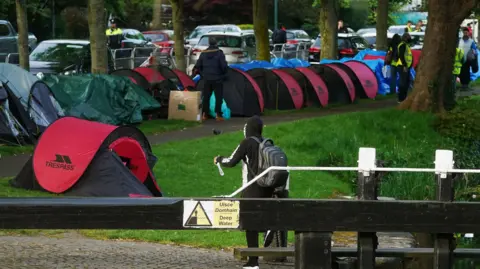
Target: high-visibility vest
x=457 y=66
x=116 y=31
x=409 y=29
x=408 y=55
x=393 y=63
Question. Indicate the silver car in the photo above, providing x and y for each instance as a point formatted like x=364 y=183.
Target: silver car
x=200 y=30
x=237 y=47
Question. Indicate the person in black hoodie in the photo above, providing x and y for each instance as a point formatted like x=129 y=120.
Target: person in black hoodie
x=212 y=67
x=247 y=152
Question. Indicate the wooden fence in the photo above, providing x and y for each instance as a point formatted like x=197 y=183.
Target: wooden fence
x=312 y=220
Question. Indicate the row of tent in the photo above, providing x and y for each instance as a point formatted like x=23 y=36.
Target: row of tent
x=253 y=87
x=28 y=104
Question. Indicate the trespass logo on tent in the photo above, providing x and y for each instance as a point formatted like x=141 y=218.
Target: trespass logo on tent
x=61 y=162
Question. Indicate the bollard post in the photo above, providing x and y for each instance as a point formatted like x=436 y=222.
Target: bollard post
x=444 y=244
x=367 y=242
x=313 y=250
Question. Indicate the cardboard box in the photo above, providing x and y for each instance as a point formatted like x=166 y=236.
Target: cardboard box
x=185 y=105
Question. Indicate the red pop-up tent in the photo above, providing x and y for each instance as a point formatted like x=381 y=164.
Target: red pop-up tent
x=84 y=158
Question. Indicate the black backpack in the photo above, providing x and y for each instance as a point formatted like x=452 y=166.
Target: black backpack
x=271 y=155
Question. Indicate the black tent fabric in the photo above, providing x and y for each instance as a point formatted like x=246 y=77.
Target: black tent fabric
x=359 y=91
x=276 y=94
x=337 y=89
x=42 y=103
x=239 y=94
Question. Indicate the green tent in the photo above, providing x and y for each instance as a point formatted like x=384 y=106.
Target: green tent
x=109 y=99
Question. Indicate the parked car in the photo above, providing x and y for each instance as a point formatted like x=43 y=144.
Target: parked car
x=200 y=30
x=250 y=31
x=348 y=46
x=297 y=36
x=9 y=40
x=237 y=47
x=400 y=29
x=371 y=38
x=133 y=38
x=61 y=56
x=363 y=31
x=160 y=38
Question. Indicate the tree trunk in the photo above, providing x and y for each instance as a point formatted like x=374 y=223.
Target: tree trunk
x=328 y=29
x=22 y=24
x=157 y=15
x=434 y=76
x=177 y=18
x=382 y=27
x=260 y=26
x=98 y=38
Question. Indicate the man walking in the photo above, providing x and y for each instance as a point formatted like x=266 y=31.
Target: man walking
x=248 y=152
x=404 y=63
x=213 y=68
x=449 y=99
x=469 y=55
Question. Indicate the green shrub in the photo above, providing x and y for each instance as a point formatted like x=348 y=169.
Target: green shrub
x=461 y=127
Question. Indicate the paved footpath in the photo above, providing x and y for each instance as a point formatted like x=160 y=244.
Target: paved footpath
x=76 y=252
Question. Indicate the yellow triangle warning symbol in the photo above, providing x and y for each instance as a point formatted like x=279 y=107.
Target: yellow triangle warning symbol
x=198 y=217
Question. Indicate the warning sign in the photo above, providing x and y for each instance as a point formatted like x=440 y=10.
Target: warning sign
x=211 y=214
x=198 y=217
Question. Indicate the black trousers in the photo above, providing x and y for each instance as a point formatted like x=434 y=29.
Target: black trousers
x=404 y=83
x=213 y=86
x=465 y=74
x=255 y=191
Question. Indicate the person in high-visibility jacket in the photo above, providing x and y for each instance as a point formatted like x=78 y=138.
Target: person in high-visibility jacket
x=449 y=100
x=457 y=66
x=392 y=54
x=409 y=29
x=404 y=62
x=114 y=35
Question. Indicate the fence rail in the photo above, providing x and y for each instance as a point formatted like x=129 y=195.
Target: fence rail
x=313 y=220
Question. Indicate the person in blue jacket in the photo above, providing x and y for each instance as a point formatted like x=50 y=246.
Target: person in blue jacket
x=212 y=67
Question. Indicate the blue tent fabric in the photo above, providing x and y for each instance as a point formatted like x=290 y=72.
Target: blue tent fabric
x=225 y=110
x=475 y=76
x=252 y=65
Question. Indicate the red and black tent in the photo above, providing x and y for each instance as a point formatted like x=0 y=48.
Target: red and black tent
x=160 y=87
x=338 y=91
x=241 y=93
x=279 y=89
x=314 y=89
x=175 y=75
x=366 y=82
x=134 y=76
x=84 y=158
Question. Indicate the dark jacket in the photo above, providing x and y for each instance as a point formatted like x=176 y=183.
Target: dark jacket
x=247 y=152
x=211 y=64
x=279 y=36
x=343 y=29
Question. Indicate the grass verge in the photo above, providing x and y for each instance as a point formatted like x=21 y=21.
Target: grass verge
x=152 y=127
x=185 y=168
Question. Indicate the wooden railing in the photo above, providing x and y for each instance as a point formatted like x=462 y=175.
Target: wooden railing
x=312 y=220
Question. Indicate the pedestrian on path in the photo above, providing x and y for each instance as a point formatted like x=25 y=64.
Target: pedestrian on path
x=449 y=99
x=404 y=63
x=389 y=60
x=248 y=153
x=469 y=55
x=213 y=68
